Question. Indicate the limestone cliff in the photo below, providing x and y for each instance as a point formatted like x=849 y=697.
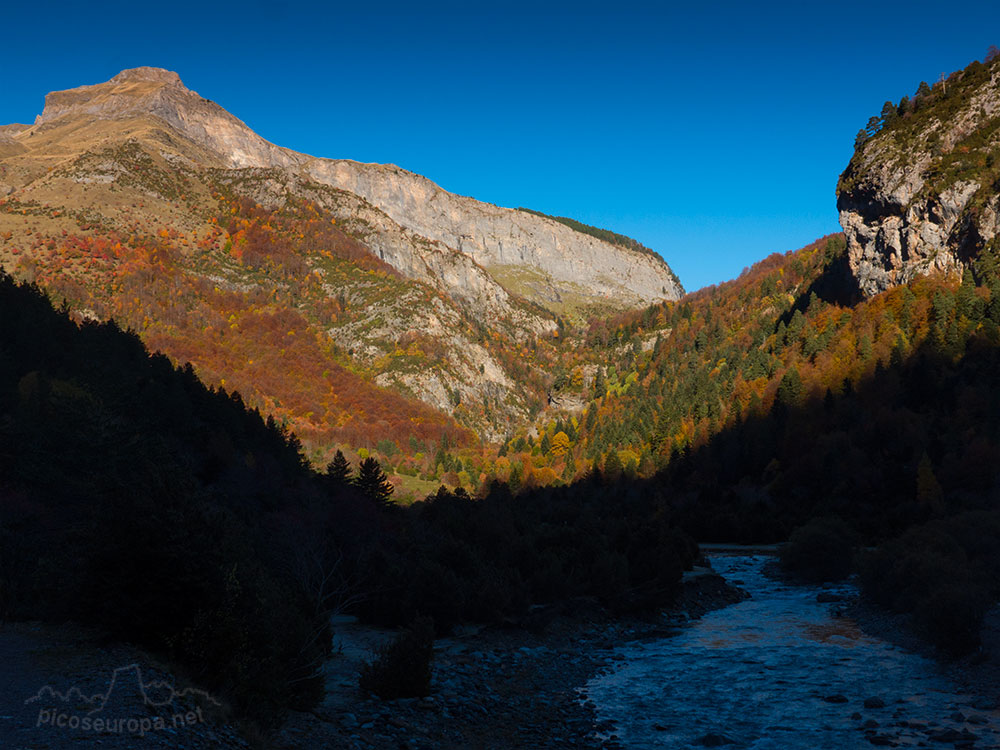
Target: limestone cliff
x=564 y=265
x=496 y=237
x=922 y=191
x=158 y=92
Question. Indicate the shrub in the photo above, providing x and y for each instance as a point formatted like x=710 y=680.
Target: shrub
x=943 y=573
x=952 y=616
x=822 y=550
x=402 y=669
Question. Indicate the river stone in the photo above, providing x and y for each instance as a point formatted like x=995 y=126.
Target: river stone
x=881 y=740
x=951 y=735
x=715 y=740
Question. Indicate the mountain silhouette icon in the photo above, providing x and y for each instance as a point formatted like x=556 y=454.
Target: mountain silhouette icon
x=126 y=689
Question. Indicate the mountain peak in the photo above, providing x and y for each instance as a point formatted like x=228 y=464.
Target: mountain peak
x=146 y=73
x=132 y=91
x=157 y=92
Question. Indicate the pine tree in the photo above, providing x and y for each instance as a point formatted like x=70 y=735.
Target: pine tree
x=929 y=492
x=889 y=113
x=514 y=477
x=599 y=386
x=569 y=472
x=993 y=306
x=790 y=387
x=613 y=465
x=374 y=484
x=338 y=471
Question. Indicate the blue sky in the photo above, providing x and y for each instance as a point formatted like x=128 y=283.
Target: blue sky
x=713 y=133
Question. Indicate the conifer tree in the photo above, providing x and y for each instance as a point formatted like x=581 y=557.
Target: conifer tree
x=338 y=471
x=613 y=465
x=373 y=483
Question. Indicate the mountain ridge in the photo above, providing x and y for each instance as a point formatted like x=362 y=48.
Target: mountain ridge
x=572 y=260
x=177 y=196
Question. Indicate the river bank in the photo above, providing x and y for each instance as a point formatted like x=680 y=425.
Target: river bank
x=978 y=674
x=495 y=687
x=66 y=687
x=785 y=669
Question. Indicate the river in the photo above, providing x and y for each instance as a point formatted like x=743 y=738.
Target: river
x=781 y=671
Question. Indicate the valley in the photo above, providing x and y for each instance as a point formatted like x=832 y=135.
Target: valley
x=261 y=411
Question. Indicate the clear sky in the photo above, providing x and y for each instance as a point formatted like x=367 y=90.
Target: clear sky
x=712 y=132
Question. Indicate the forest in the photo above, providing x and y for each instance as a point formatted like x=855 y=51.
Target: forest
x=135 y=498
x=189 y=461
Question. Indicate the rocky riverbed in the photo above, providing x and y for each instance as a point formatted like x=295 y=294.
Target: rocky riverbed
x=495 y=687
x=788 y=669
x=66 y=687
x=978 y=673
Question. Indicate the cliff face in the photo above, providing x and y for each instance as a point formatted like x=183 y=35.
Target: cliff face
x=158 y=92
x=564 y=264
x=501 y=237
x=923 y=193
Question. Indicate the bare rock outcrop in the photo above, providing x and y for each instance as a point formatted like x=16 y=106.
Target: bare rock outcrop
x=159 y=92
x=922 y=195
x=495 y=236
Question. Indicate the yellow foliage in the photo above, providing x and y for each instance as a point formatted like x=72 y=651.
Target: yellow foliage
x=560 y=444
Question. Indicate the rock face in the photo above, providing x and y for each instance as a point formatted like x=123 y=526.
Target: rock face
x=562 y=262
x=923 y=194
x=496 y=237
x=158 y=92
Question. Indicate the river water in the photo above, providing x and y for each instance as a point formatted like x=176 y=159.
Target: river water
x=780 y=671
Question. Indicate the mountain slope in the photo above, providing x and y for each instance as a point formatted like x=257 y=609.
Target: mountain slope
x=574 y=263
x=922 y=191
x=431 y=295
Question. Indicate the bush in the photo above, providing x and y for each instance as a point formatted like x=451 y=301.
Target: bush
x=945 y=574
x=402 y=669
x=822 y=550
x=952 y=616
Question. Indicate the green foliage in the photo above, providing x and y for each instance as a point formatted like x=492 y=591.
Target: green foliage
x=944 y=573
x=820 y=551
x=402 y=669
x=790 y=387
x=613 y=466
x=602 y=234
x=387 y=447
x=952 y=616
x=169 y=509
x=489 y=559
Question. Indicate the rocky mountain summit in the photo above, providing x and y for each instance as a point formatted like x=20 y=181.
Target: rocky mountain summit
x=922 y=191
x=558 y=265
x=436 y=296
